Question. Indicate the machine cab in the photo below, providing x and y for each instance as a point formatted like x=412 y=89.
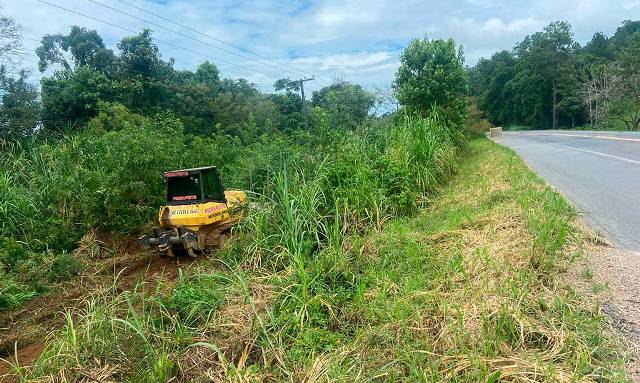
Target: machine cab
x=194 y=186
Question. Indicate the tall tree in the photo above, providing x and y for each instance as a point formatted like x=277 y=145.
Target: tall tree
x=431 y=74
x=19 y=107
x=79 y=48
x=623 y=34
x=627 y=104
x=548 y=56
x=347 y=105
x=488 y=82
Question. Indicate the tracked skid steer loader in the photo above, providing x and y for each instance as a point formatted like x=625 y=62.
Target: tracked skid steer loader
x=199 y=213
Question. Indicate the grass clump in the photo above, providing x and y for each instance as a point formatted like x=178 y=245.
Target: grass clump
x=197 y=297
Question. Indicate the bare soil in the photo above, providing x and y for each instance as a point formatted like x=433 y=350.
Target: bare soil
x=612 y=277
x=27 y=327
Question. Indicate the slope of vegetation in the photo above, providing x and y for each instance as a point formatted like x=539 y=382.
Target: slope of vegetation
x=467 y=290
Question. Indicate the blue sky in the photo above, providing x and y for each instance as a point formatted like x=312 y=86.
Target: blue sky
x=355 y=40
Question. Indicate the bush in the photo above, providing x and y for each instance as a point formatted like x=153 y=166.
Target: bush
x=197 y=297
x=64 y=267
x=12 y=253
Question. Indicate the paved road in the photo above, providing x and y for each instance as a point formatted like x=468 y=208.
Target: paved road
x=598 y=171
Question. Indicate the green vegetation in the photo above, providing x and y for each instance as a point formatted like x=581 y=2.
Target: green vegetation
x=432 y=73
x=358 y=260
x=549 y=81
x=95 y=162
x=466 y=290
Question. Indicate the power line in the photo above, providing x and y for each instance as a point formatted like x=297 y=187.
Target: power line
x=35 y=61
x=213 y=38
x=184 y=35
x=156 y=39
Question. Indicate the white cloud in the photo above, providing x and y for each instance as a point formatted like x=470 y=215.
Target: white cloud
x=346 y=61
x=630 y=5
x=471 y=29
x=358 y=39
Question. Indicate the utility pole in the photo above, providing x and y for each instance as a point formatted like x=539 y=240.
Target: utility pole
x=304 y=107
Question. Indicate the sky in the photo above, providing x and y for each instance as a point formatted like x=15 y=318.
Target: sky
x=355 y=40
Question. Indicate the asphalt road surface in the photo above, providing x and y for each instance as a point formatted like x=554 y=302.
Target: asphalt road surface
x=599 y=172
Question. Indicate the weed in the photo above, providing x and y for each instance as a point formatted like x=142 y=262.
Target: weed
x=64 y=267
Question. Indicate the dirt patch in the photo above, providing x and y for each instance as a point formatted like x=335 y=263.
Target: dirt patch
x=26 y=356
x=611 y=276
x=30 y=324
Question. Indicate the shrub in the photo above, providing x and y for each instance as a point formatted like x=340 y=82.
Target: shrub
x=197 y=297
x=64 y=267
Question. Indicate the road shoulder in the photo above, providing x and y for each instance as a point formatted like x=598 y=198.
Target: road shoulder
x=609 y=278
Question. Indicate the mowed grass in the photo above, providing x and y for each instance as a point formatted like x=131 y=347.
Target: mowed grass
x=470 y=289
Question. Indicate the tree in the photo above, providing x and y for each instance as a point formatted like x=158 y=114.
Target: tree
x=548 y=56
x=613 y=90
x=208 y=75
x=598 y=50
x=623 y=34
x=83 y=46
x=488 y=82
x=432 y=73
x=70 y=98
x=19 y=109
x=626 y=105
x=347 y=105
x=287 y=84
x=10 y=41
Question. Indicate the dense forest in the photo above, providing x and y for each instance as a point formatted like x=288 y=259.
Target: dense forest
x=88 y=76
x=548 y=80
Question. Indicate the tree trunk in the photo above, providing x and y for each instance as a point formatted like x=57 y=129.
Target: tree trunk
x=573 y=122
x=636 y=121
x=554 y=111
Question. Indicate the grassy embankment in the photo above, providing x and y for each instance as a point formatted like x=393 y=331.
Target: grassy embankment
x=468 y=289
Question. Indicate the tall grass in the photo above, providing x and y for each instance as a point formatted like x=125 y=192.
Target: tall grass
x=54 y=192
x=312 y=203
x=466 y=290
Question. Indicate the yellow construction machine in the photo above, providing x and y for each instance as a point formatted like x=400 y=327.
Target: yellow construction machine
x=199 y=213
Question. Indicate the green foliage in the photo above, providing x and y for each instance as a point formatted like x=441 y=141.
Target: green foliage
x=19 y=107
x=141 y=80
x=439 y=296
x=85 y=47
x=70 y=98
x=86 y=74
x=627 y=106
x=347 y=105
x=548 y=81
x=12 y=253
x=432 y=74
x=13 y=294
x=64 y=267
x=197 y=298
x=287 y=84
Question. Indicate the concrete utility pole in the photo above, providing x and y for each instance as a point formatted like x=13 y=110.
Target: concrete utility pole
x=304 y=107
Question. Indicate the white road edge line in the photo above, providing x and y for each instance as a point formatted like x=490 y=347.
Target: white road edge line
x=585 y=136
x=602 y=154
